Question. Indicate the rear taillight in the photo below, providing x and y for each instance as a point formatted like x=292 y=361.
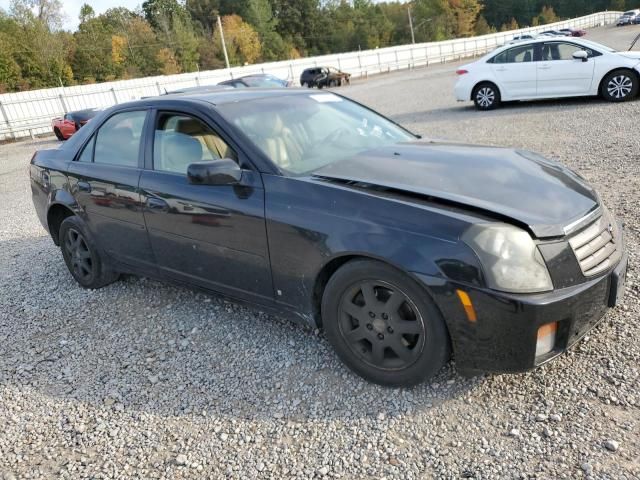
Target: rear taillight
x=462 y=71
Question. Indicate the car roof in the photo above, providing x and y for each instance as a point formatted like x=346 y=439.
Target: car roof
x=220 y=97
x=579 y=41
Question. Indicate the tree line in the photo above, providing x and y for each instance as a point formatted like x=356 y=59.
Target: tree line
x=175 y=36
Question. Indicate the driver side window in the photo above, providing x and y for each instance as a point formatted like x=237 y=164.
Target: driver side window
x=181 y=140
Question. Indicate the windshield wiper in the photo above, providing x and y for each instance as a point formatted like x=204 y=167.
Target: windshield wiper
x=633 y=44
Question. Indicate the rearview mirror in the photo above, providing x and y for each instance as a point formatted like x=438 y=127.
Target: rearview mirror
x=581 y=55
x=217 y=172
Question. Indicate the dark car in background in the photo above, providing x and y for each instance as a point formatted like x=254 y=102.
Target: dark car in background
x=71 y=122
x=404 y=251
x=574 y=32
x=322 y=77
x=258 y=81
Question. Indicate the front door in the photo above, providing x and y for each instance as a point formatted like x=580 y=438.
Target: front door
x=214 y=236
x=559 y=74
x=515 y=70
x=104 y=182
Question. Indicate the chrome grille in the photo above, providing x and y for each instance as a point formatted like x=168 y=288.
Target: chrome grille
x=597 y=247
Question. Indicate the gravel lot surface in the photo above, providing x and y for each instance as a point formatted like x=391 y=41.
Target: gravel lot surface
x=141 y=379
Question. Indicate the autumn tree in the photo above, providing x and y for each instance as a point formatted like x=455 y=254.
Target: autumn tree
x=242 y=41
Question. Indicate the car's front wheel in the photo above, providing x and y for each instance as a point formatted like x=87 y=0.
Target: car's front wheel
x=383 y=325
x=82 y=256
x=620 y=86
x=486 y=96
x=58 y=134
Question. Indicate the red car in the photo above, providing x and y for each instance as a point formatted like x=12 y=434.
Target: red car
x=574 y=32
x=72 y=122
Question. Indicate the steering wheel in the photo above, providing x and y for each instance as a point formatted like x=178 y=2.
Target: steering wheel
x=334 y=136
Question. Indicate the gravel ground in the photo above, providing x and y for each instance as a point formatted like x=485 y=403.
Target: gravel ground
x=141 y=379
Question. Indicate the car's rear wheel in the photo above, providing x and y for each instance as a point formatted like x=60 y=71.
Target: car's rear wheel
x=620 y=86
x=58 y=134
x=486 y=96
x=383 y=325
x=82 y=255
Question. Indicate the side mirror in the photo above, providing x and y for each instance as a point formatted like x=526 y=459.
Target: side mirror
x=216 y=172
x=581 y=55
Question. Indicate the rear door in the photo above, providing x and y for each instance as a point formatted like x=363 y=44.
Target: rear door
x=559 y=74
x=103 y=179
x=515 y=70
x=212 y=236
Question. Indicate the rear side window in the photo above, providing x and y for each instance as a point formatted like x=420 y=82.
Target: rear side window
x=118 y=139
x=87 y=152
x=521 y=54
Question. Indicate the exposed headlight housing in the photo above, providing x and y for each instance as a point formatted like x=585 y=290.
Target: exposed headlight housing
x=511 y=260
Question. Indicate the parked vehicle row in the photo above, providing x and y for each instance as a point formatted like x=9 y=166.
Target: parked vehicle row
x=549 y=68
x=319 y=77
x=631 y=17
x=405 y=252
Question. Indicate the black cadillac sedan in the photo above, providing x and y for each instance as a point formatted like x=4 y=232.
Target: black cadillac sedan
x=404 y=251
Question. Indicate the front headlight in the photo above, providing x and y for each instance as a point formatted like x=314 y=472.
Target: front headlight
x=510 y=259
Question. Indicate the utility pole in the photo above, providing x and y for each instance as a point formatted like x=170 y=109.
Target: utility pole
x=413 y=37
x=224 y=45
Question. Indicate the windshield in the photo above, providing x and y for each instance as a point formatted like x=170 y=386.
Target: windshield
x=597 y=46
x=301 y=133
x=263 y=82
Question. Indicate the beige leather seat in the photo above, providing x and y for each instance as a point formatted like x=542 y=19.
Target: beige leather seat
x=279 y=143
x=207 y=138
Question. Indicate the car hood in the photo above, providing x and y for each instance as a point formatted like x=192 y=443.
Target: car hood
x=632 y=55
x=519 y=185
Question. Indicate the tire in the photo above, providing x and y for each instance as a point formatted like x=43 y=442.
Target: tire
x=58 y=134
x=82 y=256
x=619 y=86
x=397 y=344
x=486 y=96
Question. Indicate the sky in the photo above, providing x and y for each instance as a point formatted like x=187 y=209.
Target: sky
x=72 y=8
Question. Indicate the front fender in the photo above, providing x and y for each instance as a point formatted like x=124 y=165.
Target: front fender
x=313 y=226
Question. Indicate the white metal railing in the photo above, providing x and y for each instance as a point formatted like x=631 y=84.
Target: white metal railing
x=30 y=113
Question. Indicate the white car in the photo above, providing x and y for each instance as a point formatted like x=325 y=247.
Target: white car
x=549 y=68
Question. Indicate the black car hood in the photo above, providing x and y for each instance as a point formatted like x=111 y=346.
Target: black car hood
x=520 y=185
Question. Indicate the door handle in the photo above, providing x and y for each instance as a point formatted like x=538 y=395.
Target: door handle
x=501 y=69
x=157 y=205
x=84 y=187
x=544 y=67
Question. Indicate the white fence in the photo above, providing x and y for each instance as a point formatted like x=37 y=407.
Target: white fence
x=30 y=113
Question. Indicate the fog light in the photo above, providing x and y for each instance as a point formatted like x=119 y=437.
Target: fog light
x=546 y=338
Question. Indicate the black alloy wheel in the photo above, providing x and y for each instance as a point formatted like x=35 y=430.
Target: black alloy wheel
x=383 y=324
x=79 y=255
x=82 y=255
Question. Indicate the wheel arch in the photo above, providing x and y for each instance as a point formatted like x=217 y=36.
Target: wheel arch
x=56 y=214
x=477 y=84
x=629 y=69
x=333 y=265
